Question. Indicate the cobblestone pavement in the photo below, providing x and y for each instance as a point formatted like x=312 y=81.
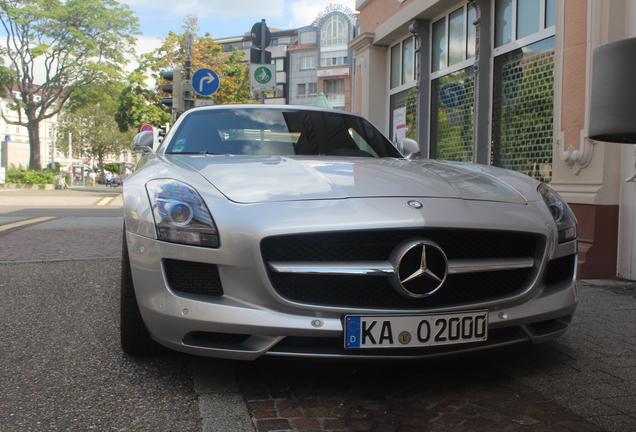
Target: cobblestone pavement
x=584 y=381
x=460 y=395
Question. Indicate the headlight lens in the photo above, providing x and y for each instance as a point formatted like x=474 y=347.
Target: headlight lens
x=561 y=212
x=180 y=214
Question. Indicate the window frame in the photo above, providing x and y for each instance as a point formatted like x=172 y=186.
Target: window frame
x=312 y=61
x=467 y=61
x=399 y=49
x=543 y=33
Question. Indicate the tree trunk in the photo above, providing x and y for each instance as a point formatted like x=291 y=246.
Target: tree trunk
x=35 y=163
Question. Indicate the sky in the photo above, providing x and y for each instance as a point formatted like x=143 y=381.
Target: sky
x=222 y=18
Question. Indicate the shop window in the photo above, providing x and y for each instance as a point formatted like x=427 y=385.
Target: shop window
x=403 y=116
x=452 y=101
x=523 y=110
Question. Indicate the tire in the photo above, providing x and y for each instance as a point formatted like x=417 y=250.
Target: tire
x=135 y=338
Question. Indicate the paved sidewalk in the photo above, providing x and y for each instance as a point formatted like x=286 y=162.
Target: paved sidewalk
x=71 y=197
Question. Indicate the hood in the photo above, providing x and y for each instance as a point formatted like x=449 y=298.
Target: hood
x=256 y=179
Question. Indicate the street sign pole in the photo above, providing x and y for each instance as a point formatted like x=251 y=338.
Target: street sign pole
x=262 y=47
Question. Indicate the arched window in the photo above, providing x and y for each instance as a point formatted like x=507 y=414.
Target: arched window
x=334 y=30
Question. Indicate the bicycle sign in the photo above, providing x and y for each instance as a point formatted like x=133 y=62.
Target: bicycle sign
x=262 y=77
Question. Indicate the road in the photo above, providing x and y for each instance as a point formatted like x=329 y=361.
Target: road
x=61 y=367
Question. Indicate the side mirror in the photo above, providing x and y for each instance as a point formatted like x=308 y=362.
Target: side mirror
x=411 y=148
x=143 y=142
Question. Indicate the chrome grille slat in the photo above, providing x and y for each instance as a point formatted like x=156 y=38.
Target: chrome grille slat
x=375 y=268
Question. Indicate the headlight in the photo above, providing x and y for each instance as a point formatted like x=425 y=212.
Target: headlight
x=561 y=212
x=180 y=214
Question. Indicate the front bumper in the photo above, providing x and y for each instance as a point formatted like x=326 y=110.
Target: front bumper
x=249 y=321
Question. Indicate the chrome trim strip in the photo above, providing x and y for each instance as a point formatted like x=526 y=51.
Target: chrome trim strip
x=384 y=268
x=357 y=268
x=484 y=265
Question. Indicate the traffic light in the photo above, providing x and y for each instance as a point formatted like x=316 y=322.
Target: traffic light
x=175 y=89
x=261 y=38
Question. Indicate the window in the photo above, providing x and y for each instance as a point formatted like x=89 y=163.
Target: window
x=403 y=62
x=313 y=89
x=280 y=65
x=302 y=90
x=308 y=38
x=519 y=19
x=334 y=30
x=454 y=38
x=335 y=90
x=308 y=62
x=334 y=58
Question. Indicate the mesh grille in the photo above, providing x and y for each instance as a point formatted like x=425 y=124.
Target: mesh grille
x=452 y=98
x=523 y=118
x=376 y=291
x=560 y=270
x=192 y=277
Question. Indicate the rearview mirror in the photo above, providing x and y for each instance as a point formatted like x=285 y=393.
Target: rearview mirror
x=410 y=148
x=143 y=142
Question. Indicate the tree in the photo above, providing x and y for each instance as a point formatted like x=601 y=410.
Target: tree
x=90 y=119
x=71 y=43
x=139 y=106
x=205 y=53
x=95 y=133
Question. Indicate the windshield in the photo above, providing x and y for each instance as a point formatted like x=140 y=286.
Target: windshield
x=284 y=132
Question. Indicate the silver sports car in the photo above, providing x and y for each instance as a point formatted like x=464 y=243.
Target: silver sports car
x=292 y=231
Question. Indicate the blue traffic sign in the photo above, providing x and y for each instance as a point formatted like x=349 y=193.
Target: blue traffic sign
x=205 y=82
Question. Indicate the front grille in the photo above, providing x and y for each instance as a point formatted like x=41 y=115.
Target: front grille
x=376 y=291
x=193 y=277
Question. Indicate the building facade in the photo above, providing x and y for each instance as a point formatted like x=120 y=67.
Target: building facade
x=512 y=91
x=309 y=60
x=15 y=147
x=320 y=60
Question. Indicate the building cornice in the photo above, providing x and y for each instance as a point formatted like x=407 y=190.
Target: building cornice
x=362 y=42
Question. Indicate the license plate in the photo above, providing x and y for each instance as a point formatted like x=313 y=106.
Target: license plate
x=393 y=331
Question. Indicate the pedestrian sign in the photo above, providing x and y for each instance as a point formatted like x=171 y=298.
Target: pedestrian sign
x=262 y=77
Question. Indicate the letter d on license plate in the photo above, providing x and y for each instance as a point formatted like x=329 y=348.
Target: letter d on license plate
x=393 y=331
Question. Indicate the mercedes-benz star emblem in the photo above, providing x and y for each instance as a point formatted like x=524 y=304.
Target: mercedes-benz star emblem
x=420 y=268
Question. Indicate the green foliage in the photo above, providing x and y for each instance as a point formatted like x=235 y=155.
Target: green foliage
x=138 y=106
x=205 y=53
x=22 y=176
x=114 y=168
x=80 y=41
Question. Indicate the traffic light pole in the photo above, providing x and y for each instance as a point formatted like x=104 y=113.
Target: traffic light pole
x=188 y=65
x=262 y=47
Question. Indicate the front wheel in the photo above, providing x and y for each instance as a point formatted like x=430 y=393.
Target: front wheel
x=135 y=338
